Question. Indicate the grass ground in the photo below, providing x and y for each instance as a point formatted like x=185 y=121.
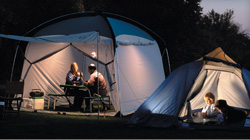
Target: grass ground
x=32 y=125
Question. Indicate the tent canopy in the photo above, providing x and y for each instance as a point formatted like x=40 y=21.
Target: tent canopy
x=75 y=38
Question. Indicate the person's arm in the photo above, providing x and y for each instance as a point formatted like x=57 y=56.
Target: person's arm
x=79 y=77
x=90 y=82
x=204 y=112
x=70 y=78
x=81 y=81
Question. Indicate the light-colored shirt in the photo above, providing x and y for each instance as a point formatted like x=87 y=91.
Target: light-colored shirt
x=102 y=82
x=212 y=113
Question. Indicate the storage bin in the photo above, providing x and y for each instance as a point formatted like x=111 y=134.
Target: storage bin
x=37 y=103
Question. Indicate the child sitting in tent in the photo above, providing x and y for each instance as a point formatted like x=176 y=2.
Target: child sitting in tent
x=230 y=114
x=209 y=112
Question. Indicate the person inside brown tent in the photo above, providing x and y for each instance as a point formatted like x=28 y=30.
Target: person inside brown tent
x=230 y=114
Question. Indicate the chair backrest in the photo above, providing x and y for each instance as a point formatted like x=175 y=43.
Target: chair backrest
x=14 y=87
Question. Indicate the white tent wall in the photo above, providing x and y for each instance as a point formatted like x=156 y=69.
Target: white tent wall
x=51 y=71
x=48 y=74
x=140 y=72
x=233 y=90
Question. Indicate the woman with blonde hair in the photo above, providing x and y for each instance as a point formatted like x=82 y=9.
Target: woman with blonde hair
x=75 y=77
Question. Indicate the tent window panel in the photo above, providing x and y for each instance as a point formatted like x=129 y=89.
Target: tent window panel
x=232 y=89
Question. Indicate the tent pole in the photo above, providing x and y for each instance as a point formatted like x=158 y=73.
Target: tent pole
x=98 y=73
x=118 y=87
x=169 y=67
x=13 y=65
x=84 y=66
x=168 y=60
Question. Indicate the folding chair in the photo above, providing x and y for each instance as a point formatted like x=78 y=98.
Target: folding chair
x=13 y=92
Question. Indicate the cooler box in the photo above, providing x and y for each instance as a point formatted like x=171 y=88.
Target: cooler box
x=38 y=103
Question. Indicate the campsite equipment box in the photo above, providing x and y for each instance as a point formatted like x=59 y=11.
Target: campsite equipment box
x=37 y=103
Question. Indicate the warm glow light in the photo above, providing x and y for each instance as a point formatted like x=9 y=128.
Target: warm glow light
x=94 y=54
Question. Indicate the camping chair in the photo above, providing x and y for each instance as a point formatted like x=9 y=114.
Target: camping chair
x=13 y=92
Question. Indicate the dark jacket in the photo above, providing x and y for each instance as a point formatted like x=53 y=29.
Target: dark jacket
x=233 y=115
x=230 y=114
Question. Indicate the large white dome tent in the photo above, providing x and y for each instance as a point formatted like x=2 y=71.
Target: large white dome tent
x=128 y=55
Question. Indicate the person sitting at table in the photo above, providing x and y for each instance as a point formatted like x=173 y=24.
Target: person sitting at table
x=72 y=77
x=92 y=83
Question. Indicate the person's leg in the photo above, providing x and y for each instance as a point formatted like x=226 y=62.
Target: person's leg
x=87 y=101
x=80 y=99
x=76 y=101
x=10 y=105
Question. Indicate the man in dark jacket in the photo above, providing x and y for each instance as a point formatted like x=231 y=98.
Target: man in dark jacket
x=230 y=114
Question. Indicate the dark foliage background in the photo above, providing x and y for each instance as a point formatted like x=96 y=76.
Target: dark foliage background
x=188 y=34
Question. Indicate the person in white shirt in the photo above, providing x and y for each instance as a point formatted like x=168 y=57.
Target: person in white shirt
x=92 y=83
x=209 y=112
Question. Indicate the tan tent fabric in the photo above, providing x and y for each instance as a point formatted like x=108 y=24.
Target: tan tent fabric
x=219 y=54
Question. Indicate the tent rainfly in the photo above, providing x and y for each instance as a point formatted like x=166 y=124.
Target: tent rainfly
x=183 y=91
x=125 y=52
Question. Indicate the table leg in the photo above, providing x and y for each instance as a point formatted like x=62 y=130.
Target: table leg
x=49 y=102
x=84 y=105
x=66 y=93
